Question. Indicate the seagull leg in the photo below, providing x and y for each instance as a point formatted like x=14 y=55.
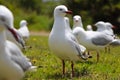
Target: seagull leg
x=72 y=66
x=90 y=56
x=63 y=66
x=105 y=49
x=98 y=56
x=109 y=49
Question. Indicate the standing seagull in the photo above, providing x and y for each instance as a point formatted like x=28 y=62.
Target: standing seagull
x=61 y=41
x=68 y=24
x=13 y=63
x=92 y=40
x=23 y=30
x=106 y=27
x=77 y=21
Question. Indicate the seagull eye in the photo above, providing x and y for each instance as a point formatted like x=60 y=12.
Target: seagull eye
x=60 y=9
x=2 y=19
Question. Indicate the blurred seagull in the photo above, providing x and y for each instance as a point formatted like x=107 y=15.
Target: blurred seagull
x=23 y=30
x=77 y=21
x=13 y=64
x=92 y=40
x=106 y=27
x=62 y=42
x=68 y=24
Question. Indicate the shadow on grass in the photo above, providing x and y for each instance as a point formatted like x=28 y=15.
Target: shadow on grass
x=78 y=74
x=86 y=62
x=68 y=75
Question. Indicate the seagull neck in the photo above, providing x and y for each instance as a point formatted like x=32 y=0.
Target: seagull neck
x=2 y=39
x=22 y=25
x=59 y=23
x=78 y=24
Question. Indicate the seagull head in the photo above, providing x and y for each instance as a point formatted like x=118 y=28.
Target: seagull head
x=76 y=18
x=100 y=25
x=23 y=23
x=109 y=25
x=6 y=21
x=77 y=21
x=61 y=10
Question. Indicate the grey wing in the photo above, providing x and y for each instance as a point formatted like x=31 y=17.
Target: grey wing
x=101 y=40
x=14 y=50
x=21 y=61
x=77 y=47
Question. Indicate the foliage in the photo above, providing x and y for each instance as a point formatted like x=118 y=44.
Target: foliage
x=38 y=14
x=91 y=11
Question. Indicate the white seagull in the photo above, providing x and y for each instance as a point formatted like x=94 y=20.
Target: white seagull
x=68 y=24
x=23 y=30
x=109 y=28
x=13 y=63
x=61 y=41
x=106 y=27
x=92 y=40
x=77 y=21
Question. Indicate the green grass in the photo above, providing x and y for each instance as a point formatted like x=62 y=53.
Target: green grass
x=50 y=67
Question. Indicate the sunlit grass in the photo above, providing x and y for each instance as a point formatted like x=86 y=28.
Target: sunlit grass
x=50 y=67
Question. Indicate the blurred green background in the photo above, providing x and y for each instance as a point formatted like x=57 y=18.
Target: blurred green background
x=39 y=13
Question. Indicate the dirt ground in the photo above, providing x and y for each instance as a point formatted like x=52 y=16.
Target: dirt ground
x=41 y=33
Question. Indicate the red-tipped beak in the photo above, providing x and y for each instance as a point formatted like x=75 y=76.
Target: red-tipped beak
x=114 y=27
x=68 y=12
x=17 y=36
x=14 y=33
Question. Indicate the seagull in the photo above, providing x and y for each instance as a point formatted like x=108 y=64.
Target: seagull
x=11 y=57
x=70 y=30
x=23 y=30
x=92 y=40
x=62 y=42
x=77 y=21
x=89 y=28
x=105 y=27
x=110 y=27
x=67 y=24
